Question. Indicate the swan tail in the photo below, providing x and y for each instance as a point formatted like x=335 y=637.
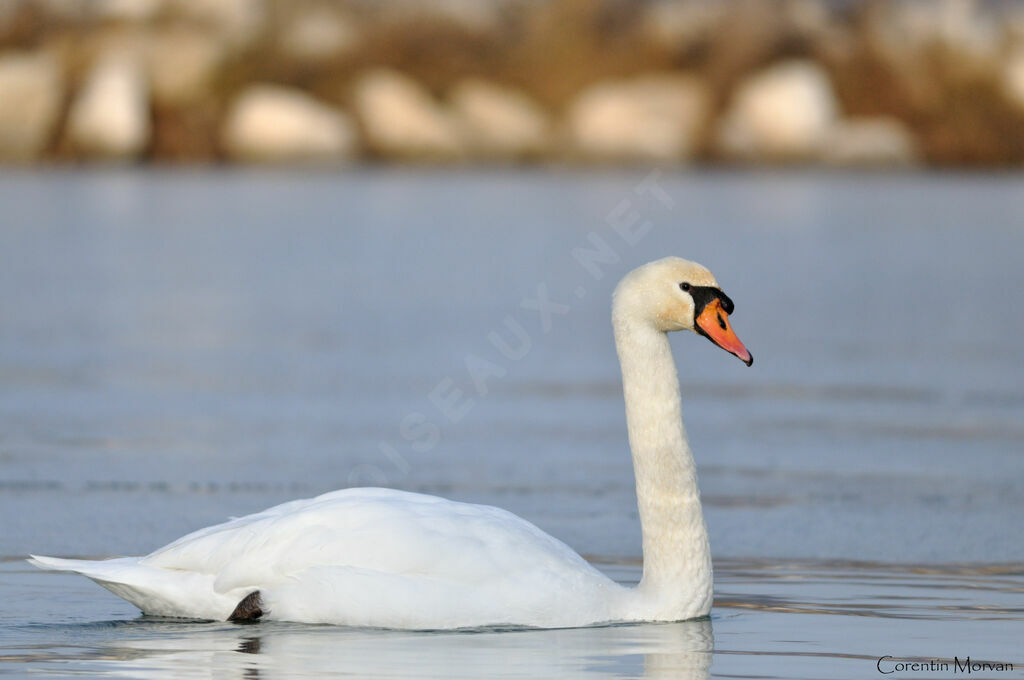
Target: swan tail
x=154 y=590
x=108 y=570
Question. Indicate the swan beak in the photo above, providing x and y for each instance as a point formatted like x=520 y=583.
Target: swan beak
x=713 y=323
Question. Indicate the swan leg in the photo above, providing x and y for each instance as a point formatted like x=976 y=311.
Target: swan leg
x=249 y=609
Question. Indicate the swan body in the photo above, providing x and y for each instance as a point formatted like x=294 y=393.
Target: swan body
x=367 y=557
x=393 y=559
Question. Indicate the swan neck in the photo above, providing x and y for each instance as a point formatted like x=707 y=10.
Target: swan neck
x=677 y=578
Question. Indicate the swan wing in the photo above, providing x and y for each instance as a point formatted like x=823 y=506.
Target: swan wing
x=383 y=532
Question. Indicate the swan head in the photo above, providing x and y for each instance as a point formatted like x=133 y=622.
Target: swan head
x=673 y=294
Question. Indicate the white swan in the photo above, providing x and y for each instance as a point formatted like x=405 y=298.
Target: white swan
x=385 y=558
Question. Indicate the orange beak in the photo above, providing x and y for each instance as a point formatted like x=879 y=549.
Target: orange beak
x=714 y=323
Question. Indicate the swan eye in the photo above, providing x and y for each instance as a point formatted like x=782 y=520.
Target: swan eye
x=685 y=287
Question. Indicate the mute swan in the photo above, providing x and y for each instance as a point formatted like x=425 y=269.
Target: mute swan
x=392 y=559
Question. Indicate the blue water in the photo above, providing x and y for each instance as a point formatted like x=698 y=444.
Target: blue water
x=178 y=347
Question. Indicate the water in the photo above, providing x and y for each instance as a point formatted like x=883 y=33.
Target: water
x=176 y=348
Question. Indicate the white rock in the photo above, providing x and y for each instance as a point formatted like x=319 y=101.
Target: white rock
x=871 y=142
x=317 y=34
x=129 y=11
x=239 y=22
x=64 y=10
x=656 y=117
x=784 y=112
x=1012 y=21
x=673 y=24
x=470 y=15
x=273 y=123
x=965 y=26
x=182 y=65
x=9 y=13
x=498 y=121
x=1013 y=75
x=135 y=11
x=31 y=91
x=110 y=115
x=400 y=118
x=807 y=16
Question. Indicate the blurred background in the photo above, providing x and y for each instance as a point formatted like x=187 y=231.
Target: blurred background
x=881 y=83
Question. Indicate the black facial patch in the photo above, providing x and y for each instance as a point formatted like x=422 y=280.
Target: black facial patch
x=704 y=295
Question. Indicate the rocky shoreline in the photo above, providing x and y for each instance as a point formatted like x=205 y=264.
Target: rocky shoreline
x=894 y=83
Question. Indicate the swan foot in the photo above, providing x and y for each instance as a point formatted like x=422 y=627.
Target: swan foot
x=249 y=609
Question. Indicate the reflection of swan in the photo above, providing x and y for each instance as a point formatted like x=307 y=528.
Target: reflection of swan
x=677 y=651
x=377 y=557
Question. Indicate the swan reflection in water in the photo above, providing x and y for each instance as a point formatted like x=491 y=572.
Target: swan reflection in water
x=277 y=650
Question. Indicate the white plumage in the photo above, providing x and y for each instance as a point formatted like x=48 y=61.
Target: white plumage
x=365 y=557
x=386 y=558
